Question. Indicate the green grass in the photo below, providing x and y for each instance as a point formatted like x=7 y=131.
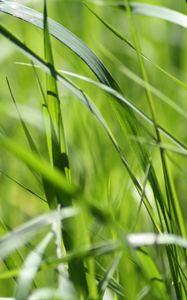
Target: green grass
x=93 y=192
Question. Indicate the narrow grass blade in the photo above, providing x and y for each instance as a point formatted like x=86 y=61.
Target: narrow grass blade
x=22 y=186
x=103 y=284
x=19 y=236
x=26 y=131
x=148 y=239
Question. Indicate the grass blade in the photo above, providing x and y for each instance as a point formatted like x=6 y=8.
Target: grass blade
x=150 y=10
x=19 y=236
x=30 y=268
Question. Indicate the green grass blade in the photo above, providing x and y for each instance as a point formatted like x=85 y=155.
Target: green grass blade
x=26 y=131
x=23 y=186
x=103 y=284
x=54 y=176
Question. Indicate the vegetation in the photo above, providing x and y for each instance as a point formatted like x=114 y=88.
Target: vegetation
x=93 y=192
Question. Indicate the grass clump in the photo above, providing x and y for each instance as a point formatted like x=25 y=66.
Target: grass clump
x=94 y=190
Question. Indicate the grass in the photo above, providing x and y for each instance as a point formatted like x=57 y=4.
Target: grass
x=93 y=192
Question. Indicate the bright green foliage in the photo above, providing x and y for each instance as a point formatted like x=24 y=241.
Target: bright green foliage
x=93 y=192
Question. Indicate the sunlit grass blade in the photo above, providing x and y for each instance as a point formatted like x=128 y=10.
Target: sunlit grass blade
x=134 y=241
x=145 y=9
x=30 y=267
x=19 y=236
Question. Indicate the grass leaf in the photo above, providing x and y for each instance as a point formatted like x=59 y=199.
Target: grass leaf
x=19 y=236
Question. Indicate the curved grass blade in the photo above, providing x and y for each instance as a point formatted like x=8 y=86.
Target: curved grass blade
x=63 y=35
x=19 y=236
x=159 y=12
x=119 y=97
x=150 y=10
x=30 y=268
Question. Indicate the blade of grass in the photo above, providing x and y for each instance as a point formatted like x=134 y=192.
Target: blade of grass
x=103 y=284
x=148 y=10
x=19 y=236
x=30 y=268
x=26 y=131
